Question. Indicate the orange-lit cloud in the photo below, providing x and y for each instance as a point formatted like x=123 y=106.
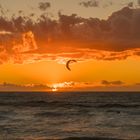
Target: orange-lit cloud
x=73 y=86
x=24 y=41
x=96 y=86
x=104 y=82
x=28 y=87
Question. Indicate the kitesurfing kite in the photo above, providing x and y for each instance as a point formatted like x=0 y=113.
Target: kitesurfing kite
x=68 y=64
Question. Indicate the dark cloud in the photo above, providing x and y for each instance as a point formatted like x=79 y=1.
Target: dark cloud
x=130 y=4
x=137 y=84
x=116 y=38
x=105 y=82
x=90 y=3
x=121 y=28
x=44 y=6
x=96 y=3
x=27 y=87
x=138 y=2
x=67 y=23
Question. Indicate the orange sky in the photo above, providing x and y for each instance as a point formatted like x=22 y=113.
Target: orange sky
x=33 y=54
x=91 y=71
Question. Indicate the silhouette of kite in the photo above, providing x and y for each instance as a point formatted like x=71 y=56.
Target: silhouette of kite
x=68 y=64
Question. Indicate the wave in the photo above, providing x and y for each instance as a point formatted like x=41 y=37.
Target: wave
x=77 y=138
x=91 y=138
x=119 y=106
x=48 y=114
x=42 y=103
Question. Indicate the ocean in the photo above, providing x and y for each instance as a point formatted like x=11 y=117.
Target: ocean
x=69 y=115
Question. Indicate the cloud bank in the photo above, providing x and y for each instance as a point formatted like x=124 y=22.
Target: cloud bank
x=22 y=40
x=104 y=85
x=26 y=87
x=107 y=83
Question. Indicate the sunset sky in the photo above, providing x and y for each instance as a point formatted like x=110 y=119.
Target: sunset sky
x=38 y=37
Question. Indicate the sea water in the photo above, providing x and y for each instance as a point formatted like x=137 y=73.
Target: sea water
x=60 y=115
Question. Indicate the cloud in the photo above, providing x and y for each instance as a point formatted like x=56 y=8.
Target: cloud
x=24 y=41
x=96 y=86
x=5 y=33
x=70 y=86
x=138 y=84
x=28 y=43
x=138 y=2
x=43 y=6
x=130 y=4
x=3 y=56
x=90 y=3
x=25 y=87
x=113 y=83
x=96 y=3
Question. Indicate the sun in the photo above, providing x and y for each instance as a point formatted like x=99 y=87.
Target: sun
x=54 y=89
x=58 y=86
x=61 y=86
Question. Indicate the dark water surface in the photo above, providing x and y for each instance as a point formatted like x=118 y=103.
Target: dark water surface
x=66 y=115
